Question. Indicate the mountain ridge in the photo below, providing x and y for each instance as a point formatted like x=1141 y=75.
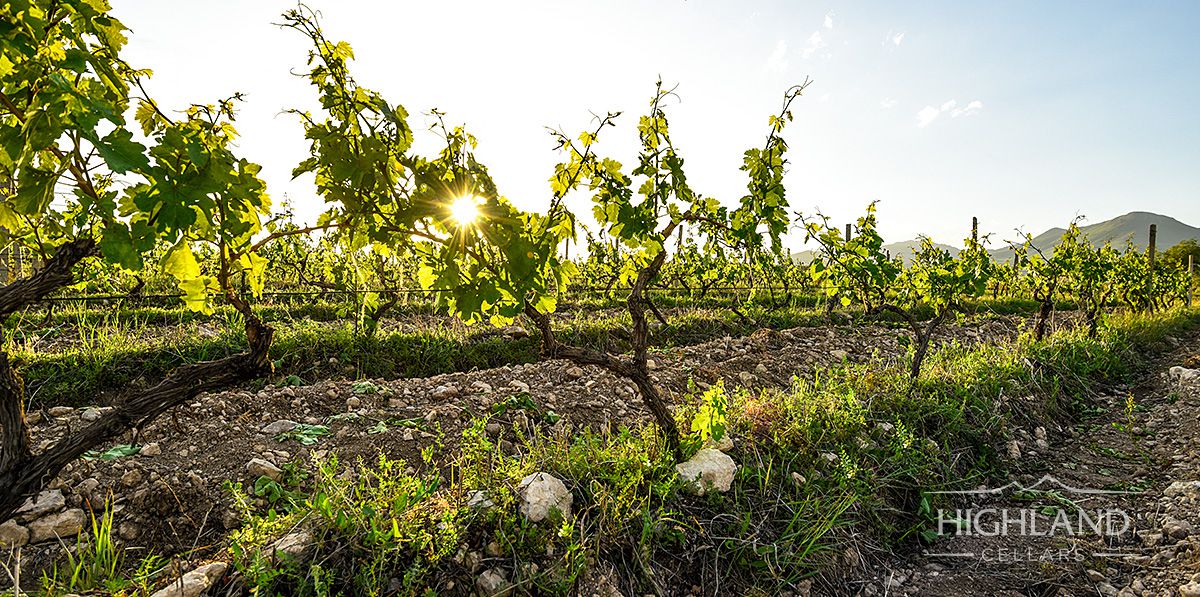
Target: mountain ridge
x=1131 y=227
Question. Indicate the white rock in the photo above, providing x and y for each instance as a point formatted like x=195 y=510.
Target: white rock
x=519 y=385
x=152 y=449
x=1191 y=589
x=446 y=392
x=479 y=499
x=90 y=414
x=45 y=503
x=294 y=547
x=66 y=524
x=493 y=584
x=13 y=535
x=541 y=494
x=1179 y=488
x=839 y=355
x=280 y=426
x=194 y=583
x=708 y=470
x=258 y=467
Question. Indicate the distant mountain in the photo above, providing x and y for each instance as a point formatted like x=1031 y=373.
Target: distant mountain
x=1134 y=225
x=906 y=249
x=903 y=249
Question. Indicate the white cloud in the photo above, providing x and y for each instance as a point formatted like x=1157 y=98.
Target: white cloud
x=971 y=108
x=777 y=62
x=813 y=45
x=895 y=38
x=829 y=21
x=887 y=103
x=928 y=114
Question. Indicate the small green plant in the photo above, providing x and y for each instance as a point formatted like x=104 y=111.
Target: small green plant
x=304 y=434
x=709 y=422
x=113 y=453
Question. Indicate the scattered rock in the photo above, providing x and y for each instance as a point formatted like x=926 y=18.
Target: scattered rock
x=132 y=478
x=447 y=392
x=492 y=583
x=575 y=372
x=65 y=524
x=151 y=449
x=294 y=547
x=1177 y=529
x=45 y=503
x=13 y=535
x=194 y=583
x=258 y=467
x=1191 y=589
x=60 y=411
x=708 y=470
x=480 y=499
x=541 y=494
x=280 y=426
x=90 y=414
x=839 y=355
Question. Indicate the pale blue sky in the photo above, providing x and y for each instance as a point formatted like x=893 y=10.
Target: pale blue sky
x=1022 y=113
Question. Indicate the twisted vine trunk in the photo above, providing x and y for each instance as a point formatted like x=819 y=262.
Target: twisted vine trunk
x=23 y=473
x=634 y=369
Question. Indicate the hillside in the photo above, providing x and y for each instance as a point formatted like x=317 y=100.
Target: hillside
x=1134 y=225
x=904 y=249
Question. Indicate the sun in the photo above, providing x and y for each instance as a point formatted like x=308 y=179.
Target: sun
x=465 y=210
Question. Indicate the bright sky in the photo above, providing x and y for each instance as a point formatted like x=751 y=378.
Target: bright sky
x=1024 y=114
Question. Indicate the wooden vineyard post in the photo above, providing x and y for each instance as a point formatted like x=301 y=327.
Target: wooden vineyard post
x=847 y=232
x=1190 y=278
x=1150 y=261
x=974 y=229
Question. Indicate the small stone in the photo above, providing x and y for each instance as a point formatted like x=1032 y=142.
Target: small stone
x=492 y=583
x=651 y=364
x=65 y=524
x=839 y=355
x=575 y=372
x=446 y=392
x=294 y=547
x=1014 y=450
x=151 y=449
x=708 y=470
x=541 y=494
x=761 y=369
x=746 y=377
x=1177 y=529
x=280 y=426
x=90 y=414
x=353 y=402
x=1191 y=589
x=60 y=411
x=13 y=535
x=194 y=583
x=493 y=429
x=258 y=467
x=45 y=503
x=132 y=478
x=479 y=499
x=519 y=385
